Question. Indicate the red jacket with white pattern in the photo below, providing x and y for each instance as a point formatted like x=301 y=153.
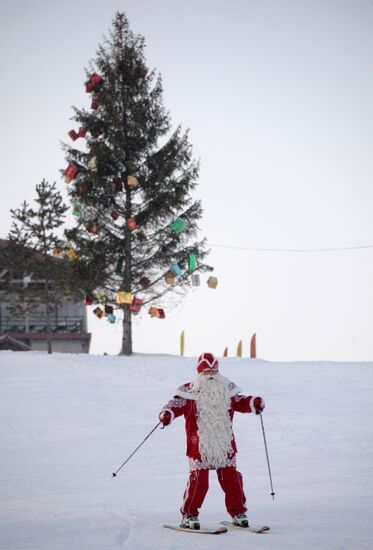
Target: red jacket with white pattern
x=184 y=403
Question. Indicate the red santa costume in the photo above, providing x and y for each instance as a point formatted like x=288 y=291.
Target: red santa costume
x=208 y=405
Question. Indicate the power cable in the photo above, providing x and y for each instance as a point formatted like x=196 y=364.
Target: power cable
x=292 y=250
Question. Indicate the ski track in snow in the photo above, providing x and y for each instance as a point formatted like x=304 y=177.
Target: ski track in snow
x=68 y=421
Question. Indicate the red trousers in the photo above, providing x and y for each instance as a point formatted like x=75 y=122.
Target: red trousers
x=230 y=481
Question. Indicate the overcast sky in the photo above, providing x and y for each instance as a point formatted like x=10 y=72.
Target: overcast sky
x=278 y=98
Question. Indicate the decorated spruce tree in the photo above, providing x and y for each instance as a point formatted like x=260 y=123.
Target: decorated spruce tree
x=130 y=181
x=39 y=279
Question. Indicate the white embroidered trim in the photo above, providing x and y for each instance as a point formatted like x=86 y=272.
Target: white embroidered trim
x=251 y=403
x=233 y=389
x=185 y=392
x=188 y=393
x=203 y=359
x=195 y=464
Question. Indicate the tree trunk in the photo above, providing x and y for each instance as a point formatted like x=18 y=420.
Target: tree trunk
x=48 y=318
x=127 y=332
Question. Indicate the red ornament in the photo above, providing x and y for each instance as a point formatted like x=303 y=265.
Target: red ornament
x=82 y=132
x=95 y=104
x=88 y=300
x=93 y=82
x=74 y=136
x=161 y=314
x=82 y=187
x=144 y=282
x=136 y=305
x=117 y=185
x=131 y=223
x=70 y=172
x=115 y=214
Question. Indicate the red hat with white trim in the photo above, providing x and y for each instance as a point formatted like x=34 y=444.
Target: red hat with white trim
x=207 y=361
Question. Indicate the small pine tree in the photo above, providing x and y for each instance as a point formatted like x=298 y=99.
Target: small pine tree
x=132 y=184
x=31 y=242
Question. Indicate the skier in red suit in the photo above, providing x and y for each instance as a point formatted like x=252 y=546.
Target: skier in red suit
x=208 y=405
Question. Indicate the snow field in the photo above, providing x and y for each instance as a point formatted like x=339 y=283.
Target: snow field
x=68 y=421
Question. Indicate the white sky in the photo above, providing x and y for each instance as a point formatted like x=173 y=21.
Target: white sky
x=278 y=98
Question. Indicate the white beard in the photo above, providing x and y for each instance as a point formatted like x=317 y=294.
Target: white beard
x=213 y=420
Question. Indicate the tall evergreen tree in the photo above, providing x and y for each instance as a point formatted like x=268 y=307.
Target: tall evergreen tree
x=32 y=241
x=132 y=183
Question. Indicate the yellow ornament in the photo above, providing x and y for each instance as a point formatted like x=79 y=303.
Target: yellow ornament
x=132 y=181
x=71 y=254
x=123 y=297
x=212 y=282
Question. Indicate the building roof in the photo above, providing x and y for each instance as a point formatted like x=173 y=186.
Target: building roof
x=7 y=342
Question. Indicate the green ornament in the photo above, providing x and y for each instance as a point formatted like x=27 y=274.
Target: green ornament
x=178 y=225
x=77 y=210
x=192 y=262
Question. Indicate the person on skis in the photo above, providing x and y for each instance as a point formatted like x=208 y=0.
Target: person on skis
x=208 y=405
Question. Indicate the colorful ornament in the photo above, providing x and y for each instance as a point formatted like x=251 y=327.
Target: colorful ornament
x=196 y=280
x=98 y=312
x=93 y=82
x=111 y=318
x=212 y=282
x=192 y=262
x=142 y=236
x=108 y=310
x=115 y=214
x=95 y=103
x=92 y=164
x=131 y=223
x=117 y=185
x=176 y=269
x=136 y=305
x=70 y=172
x=153 y=311
x=178 y=225
x=170 y=277
x=82 y=187
x=157 y=312
x=144 y=282
x=77 y=210
x=92 y=227
x=132 y=181
x=225 y=354
x=58 y=252
x=71 y=254
x=73 y=135
x=88 y=300
x=82 y=132
x=122 y=297
x=100 y=296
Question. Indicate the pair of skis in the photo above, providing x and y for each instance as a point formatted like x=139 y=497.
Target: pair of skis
x=219 y=530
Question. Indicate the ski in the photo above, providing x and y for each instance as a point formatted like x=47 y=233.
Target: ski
x=217 y=531
x=258 y=530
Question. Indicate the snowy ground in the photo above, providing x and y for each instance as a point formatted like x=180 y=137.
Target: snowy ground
x=68 y=421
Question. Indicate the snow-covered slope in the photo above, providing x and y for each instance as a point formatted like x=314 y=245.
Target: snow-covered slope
x=68 y=421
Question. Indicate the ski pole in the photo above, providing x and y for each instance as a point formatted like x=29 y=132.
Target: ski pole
x=269 y=468
x=137 y=448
